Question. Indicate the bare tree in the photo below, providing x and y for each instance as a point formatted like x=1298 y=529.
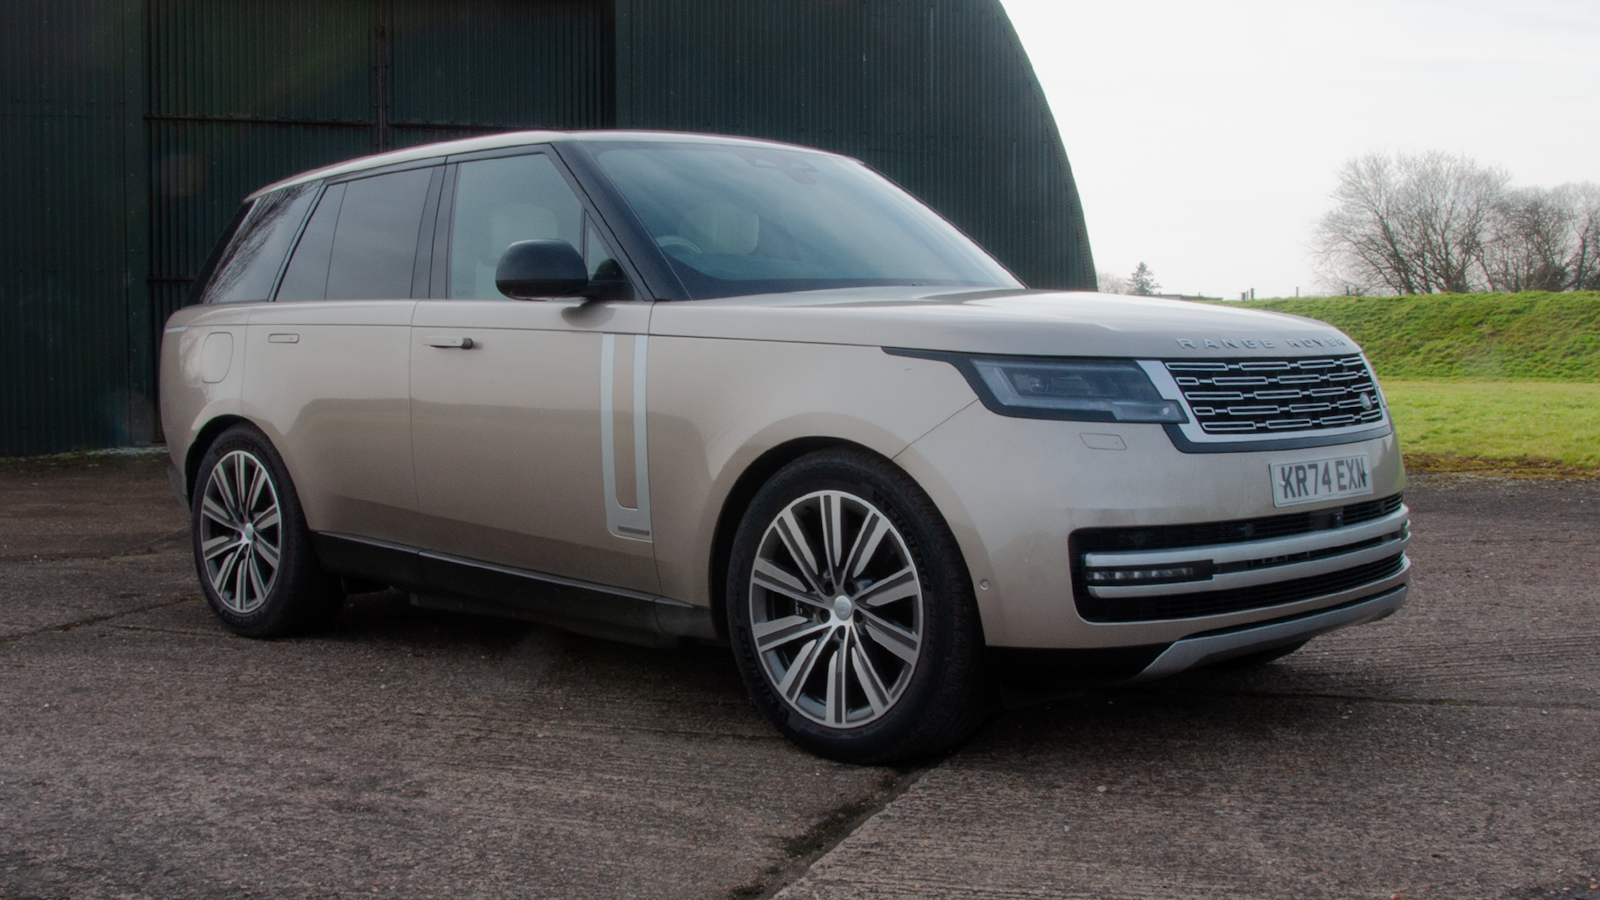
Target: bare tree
x=1584 y=261
x=1143 y=281
x=1530 y=242
x=1108 y=283
x=1409 y=224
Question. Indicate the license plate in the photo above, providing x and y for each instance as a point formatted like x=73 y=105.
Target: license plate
x=1320 y=479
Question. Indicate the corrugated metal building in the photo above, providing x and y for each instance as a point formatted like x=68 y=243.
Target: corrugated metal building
x=132 y=128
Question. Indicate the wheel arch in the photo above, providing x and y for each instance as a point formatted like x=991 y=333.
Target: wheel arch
x=737 y=500
x=744 y=490
x=203 y=439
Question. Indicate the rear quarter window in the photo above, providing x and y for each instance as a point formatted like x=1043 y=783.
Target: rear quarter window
x=247 y=268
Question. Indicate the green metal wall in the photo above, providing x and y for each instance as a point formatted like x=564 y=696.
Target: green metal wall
x=131 y=129
x=65 y=220
x=246 y=92
x=937 y=94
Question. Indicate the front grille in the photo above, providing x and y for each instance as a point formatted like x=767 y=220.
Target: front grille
x=1211 y=603
x=1277 y=396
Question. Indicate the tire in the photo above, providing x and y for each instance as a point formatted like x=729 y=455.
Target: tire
x=1258 y=659
x=871 y=652
x=252 y=550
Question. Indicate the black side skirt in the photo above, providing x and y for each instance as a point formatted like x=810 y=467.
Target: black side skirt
x=445 y=582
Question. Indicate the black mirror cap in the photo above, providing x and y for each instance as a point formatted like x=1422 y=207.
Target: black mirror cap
x=532 y=270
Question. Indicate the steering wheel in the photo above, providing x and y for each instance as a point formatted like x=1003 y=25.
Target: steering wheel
x=671 y=242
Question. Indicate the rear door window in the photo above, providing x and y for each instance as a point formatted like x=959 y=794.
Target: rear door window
x=375 y=243
x=307 y=275
x=249 y=266
x=361 y=243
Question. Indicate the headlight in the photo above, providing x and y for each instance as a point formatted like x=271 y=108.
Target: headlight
x=1082 y=390
x=1090 y=389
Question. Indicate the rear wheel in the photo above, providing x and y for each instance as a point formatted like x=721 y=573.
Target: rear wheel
x=251 y=546
x=852 y=614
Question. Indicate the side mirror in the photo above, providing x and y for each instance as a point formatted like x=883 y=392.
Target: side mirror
x=533 y=270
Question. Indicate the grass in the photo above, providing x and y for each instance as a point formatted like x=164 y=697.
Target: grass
x=1506 y=383
x=1518 y=427
x=1495 y=337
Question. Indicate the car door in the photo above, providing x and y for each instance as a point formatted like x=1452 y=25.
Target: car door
x=528 y=422
x=329 y=362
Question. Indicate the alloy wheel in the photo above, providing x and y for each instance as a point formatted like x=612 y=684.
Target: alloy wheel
x=836 y=609
x=241 y=533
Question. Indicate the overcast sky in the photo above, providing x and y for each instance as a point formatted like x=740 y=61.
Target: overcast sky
x=1205 y=137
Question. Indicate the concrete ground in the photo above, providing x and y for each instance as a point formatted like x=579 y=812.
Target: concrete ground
x=1451 y=751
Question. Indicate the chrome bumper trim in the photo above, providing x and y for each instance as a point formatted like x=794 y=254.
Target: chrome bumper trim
x=1198 y=651
x=1248 y=550
x=1264 y=575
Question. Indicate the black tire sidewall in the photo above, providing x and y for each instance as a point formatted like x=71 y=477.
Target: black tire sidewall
x=952 y=639
x=302 y=596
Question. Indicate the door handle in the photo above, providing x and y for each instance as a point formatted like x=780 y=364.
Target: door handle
x=457 y=343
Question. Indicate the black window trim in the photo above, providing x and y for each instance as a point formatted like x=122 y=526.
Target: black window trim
x=628 y=233
x=430 y=203
x=445 y=218
x=294 y=245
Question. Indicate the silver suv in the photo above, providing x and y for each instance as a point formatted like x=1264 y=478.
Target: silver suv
x=661 y=387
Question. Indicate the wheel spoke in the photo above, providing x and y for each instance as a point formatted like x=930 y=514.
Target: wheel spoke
x=268 y=518
x=833 y=535
x=214 y=511
x=794 y=540
x=225 y=566
x=891 y=637
x=871 y=684
x=787 y=630
x=800 y=669
x=257 y=583
x=258 y=481
x=768 y=575
x=222 y=543
x=865 y=545
x=241 y=581
x=240 y=489
x=220 y=478
x=836 y=695
x=898 y=586
x=268 y=554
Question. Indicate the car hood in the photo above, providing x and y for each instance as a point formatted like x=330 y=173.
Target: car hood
x=1026 y=322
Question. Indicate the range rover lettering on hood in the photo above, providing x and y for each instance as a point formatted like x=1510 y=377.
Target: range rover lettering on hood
x=1243 y=343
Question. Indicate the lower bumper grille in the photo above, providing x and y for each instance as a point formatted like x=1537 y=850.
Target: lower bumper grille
x=1212 y=568
x=1211 y=603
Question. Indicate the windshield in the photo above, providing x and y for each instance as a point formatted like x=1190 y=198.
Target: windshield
x=746 y=220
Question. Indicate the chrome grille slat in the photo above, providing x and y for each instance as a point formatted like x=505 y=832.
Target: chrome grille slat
x=1277 y=396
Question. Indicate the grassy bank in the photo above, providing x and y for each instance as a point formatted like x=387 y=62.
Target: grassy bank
x=1481 y=382
x=1523 y=427
x=1495 y=337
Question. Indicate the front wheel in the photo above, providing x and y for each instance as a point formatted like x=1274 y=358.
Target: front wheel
x=252 y=548
x=852 y=614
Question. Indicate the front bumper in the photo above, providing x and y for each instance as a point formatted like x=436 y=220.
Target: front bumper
x=1022 y=495
x=1205 y=649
